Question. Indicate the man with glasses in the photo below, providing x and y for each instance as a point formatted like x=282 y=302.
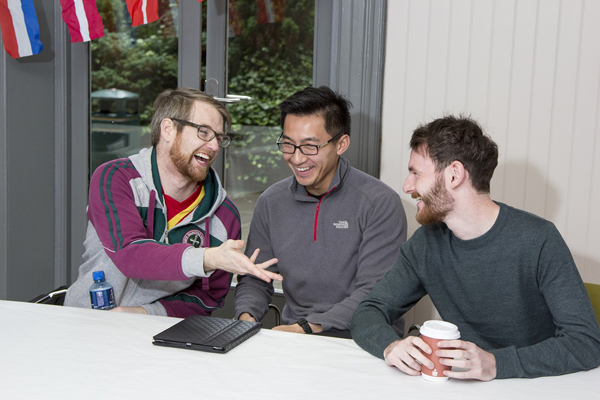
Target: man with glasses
x=161 y=226
x=334 y=230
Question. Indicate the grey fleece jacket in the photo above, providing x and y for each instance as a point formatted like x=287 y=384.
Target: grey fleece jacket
x=331 y=251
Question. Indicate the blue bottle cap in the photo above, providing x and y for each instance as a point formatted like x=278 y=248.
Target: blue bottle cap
x=98 y=275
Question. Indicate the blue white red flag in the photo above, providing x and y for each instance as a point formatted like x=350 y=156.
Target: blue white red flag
x=20 y=28
x=82 y=19
x=142 y=11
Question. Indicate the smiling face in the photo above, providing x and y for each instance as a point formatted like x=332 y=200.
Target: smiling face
x=426 y=185
x=314 y=172
x=191 y=156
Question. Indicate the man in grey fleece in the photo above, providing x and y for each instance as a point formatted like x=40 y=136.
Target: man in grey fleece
x=334 y=230
x=505 y=277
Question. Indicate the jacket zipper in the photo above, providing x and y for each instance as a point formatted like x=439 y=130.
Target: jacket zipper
x=317 y=213
x=205 y=281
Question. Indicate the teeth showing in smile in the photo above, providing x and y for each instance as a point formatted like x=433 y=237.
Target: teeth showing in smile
x=302 y=169
x=202 y=156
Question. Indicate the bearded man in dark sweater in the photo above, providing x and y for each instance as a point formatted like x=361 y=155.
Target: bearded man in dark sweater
x=505 y=277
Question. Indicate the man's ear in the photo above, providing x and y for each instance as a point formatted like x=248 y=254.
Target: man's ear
x=456 y=174
x=342 y=144
x=168 y=131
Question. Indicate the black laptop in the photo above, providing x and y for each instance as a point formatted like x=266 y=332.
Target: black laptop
x=215 y=335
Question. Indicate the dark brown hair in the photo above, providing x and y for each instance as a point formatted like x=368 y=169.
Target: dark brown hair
x=461 y=139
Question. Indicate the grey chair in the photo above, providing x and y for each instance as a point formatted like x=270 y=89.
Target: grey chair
x=56 y=297
x=275 y=309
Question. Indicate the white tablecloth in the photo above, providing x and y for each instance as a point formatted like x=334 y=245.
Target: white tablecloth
x=60 y=352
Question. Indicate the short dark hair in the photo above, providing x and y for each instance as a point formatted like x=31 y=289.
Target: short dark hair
x=461 y=139
x=178 y=103
x=333 y=107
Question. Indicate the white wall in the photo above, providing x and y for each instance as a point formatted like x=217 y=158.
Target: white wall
x=529 y=72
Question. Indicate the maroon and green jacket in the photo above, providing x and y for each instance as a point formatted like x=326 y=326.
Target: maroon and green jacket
x=148 y=265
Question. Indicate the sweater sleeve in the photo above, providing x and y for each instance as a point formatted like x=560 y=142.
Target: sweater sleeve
x=384 y=233
x=201 y=298
x=253 y=295
x=113 y=212
x=398 y=291
x=576 y=343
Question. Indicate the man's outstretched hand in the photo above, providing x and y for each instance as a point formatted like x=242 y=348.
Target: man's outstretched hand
x=229 y=257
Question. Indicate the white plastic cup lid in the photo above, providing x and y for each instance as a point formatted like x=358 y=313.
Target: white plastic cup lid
x=440 y=330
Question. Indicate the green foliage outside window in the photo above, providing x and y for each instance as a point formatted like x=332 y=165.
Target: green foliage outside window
x=267 y=61
x=142 y=60
x=271 y=61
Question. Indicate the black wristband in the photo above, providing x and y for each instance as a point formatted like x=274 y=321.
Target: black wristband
x=305 y=325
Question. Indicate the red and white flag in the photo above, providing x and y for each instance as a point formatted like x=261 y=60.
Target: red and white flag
x=20 y=28
x=270 y=11
x=142 y=11
x=82 y=19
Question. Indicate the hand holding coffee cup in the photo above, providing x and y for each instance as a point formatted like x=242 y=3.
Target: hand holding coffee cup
x=431 y=333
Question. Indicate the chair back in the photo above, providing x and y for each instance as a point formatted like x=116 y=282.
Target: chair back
x=594 y=293
x=55 y=297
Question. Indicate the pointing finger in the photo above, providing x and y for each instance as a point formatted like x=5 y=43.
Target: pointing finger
x=254 y=255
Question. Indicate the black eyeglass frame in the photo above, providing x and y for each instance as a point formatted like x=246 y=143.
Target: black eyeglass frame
x=305 y=146
x=223 y=140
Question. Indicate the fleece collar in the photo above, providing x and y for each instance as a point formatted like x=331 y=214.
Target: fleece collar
x=300 y=194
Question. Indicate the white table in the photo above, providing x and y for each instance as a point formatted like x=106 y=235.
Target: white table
x=67 y=353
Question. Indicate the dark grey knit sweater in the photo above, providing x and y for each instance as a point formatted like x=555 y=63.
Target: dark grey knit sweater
x=514 y=291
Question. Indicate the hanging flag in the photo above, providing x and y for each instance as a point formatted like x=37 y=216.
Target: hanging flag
x=142 y=11
x=20 y=28
x=235 y=22
x=82 y=19
x=270 y=11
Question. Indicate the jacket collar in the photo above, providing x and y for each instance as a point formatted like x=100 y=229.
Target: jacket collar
x=147 y=166
x=300 y=194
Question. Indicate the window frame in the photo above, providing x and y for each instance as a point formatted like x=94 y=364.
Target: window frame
x=356 y=24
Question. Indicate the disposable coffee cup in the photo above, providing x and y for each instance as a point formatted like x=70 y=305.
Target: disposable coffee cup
x=431 y=333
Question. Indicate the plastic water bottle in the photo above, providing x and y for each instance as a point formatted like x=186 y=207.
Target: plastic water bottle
x=101 y=293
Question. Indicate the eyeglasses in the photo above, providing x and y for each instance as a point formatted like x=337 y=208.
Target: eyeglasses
x=206 y=133
x=306 y=149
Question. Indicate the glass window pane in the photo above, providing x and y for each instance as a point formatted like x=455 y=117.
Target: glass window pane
x=270 y=57
x=130 y=67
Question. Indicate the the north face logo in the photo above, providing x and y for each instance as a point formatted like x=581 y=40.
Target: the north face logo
x=194 y=237
x=341 y=224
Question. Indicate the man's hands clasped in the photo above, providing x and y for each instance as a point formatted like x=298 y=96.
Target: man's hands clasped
x=229 y=257
x=408 y=354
